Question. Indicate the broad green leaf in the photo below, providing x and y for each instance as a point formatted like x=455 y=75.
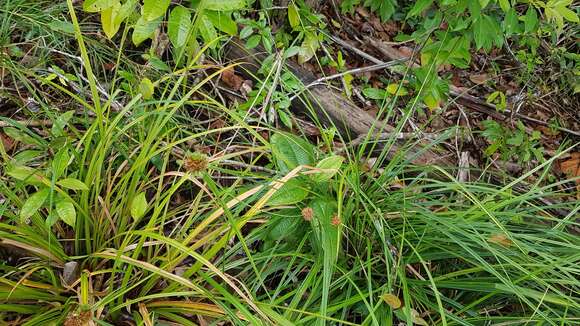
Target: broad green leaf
x=178 y=26
x=392 y=300
x=292 y=192
x=66 y=211
x=374 y=93
x=109 y=20
x=224 y=5
x=62 y=26
x=293 y=16
x=207 y=30
x=26 y=174
x=61 y=122
x=419 y=7
x=222 y=21
x=138 y=206
x=246 y=31
x=568 y=14
x=253 y=41
x=21 y=136
x=146 y=88
x=60 y=163
x=530 y=20
x=511 y=23
x=27 y=156
x=483 y=3
x=97 y=5
x=144 y=29
x=33 y=204
x=153 y=9
x=290 y=151
x=486 y=33
x=331 y=164
x=73 y=184
x=504 y=5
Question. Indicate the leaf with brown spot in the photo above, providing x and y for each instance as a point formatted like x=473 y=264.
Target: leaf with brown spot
x=232 y=80
x=7 y=142
x=500 y=239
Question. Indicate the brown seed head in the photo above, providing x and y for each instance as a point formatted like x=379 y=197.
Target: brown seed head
x=335 y=220
x=195 y=162
x=307 y=213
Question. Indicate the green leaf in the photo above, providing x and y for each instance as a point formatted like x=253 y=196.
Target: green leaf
x=33 y=204
x=290 y=151
x=21 y=136
x=146 y=88
x=293 y=16
x=483 y=3
x=73 y=184
x=246 y=31
x=26 y=174
x=396 y=89
x=375 y=93
x=153 y=9
x=253 y=41
x=61 y=122
x=223 y=22
x=224 y=5
x=419 y=7
x=567 y=14
x=178 y=26
x=511 y=23
x=139 y=206
x=308 y=48
x=487 y=33
x=207 y=30
x=292 y=192
x=530 y=20
x=144 y=29
x=504 y=5
x=97 y=5
x=332 y=164
x=60 y=163
x=326 y=233
x=109 y=20
x=66 y=211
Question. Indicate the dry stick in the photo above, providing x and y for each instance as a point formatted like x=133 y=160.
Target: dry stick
x=330 y=107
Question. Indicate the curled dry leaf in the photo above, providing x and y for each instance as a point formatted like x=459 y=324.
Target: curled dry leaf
x=479 y=79
x=392 y=300
x=232 y=80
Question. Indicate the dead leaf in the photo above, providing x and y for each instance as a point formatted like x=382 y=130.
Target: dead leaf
x=417 y=319
x=392 y=300
x=571 y=167
x=479 y=79
x=232 y=80
x=500 y=239
x=7 y=142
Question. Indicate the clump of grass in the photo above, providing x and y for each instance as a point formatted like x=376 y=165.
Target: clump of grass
x=155 y=241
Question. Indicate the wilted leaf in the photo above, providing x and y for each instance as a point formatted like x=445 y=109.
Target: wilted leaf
x=479 y=79
x=139 y=206
x=392 y=300
x=571 y=167
x=33 y=204
x=66 y=211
